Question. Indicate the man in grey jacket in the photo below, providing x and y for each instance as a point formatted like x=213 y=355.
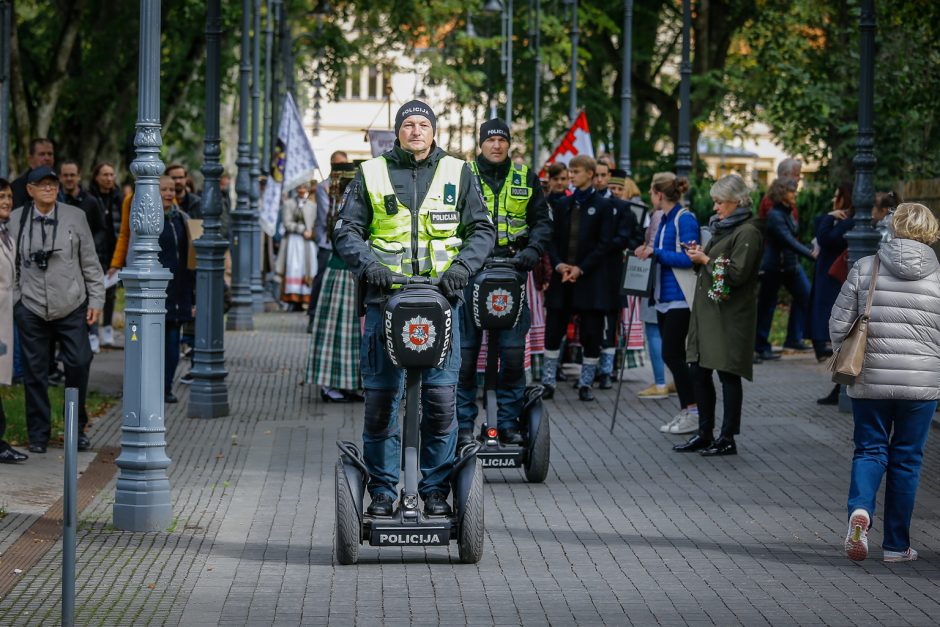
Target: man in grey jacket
x=58 y=293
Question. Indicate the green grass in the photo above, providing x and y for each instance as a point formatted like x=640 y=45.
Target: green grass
x=97 y=404
x=778 y=330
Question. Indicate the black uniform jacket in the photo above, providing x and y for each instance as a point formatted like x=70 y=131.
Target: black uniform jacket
x=596 y=230
x=411 y=180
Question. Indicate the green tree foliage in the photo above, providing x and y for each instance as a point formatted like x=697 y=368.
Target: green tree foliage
x=797 y=68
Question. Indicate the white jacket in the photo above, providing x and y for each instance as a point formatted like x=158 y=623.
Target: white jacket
x=902 y=359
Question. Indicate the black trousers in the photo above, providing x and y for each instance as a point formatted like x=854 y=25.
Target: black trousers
x=110 y=296
x=674 y=327
x=323 y=257
x=36 y=336
x=592 y=329
x=732 y=394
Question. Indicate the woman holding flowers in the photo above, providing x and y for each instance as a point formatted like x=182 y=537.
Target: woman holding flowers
x=724 y=314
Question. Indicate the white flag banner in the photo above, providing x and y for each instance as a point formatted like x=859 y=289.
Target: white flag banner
x=577 y=141
x=292 y=163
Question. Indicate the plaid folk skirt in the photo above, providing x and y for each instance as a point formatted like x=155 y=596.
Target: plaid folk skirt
x=333 y=356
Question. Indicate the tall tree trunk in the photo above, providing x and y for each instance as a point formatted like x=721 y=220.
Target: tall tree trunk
x=23 y=124
x=52 y=89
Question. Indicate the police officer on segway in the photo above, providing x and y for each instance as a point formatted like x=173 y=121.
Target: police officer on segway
x=523 y=229
x=415 y=211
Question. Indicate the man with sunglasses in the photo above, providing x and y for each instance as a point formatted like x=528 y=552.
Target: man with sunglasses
x=58 y=292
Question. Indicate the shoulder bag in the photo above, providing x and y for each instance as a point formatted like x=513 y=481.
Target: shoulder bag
x=846 y=363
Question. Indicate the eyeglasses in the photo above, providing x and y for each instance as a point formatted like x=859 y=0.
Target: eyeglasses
x=46 y=187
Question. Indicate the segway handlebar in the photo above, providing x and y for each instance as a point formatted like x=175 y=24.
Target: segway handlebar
x=404 y=279
x=500 y=262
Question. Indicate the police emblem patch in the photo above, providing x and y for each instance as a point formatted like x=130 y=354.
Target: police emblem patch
x=499 y=303
x=591 y=211
x=450 y=194
x=418 y=334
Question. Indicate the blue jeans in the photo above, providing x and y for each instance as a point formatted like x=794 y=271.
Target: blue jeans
x=384 y=389
x=655 y=341
x=900 y=453
x=510 y=392
x=794 y=279
x=171 y=353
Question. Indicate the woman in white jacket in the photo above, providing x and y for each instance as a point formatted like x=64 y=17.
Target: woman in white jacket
x=895 y=396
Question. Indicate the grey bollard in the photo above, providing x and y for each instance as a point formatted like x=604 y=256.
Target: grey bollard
x=70 y=507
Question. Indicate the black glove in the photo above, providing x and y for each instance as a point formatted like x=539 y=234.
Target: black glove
x=526 y=259
x=454 y=279
x=378 y=275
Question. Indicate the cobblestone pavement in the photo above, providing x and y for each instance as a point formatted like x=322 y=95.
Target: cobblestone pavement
x=624 y=531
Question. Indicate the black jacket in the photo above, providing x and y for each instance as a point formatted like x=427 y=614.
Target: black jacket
x=191 y=204
x=596 y=231
x=782 y=250
x=99 y=230
x=538 y=216
x=18 y=186
x=174 y=256
x=627 y=236
x=411 y=180
x=109 y=210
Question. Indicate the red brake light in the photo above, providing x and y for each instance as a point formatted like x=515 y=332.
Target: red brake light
x=491 y=432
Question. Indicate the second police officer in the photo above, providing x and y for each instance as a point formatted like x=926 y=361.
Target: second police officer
x=523 y=229
x=415 y=211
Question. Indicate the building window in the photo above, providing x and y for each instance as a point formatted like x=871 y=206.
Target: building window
x=363 y=83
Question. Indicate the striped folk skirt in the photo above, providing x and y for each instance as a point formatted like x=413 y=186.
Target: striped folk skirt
x=333 y=357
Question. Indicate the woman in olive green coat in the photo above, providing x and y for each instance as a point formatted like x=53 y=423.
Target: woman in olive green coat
x=724 y=314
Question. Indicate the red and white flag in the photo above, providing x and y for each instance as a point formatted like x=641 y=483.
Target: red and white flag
x=577 y=141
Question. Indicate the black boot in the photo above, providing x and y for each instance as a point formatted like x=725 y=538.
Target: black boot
x=830 y=399
x=464 y=437
x=695 y=443
x=585 y=393
x=548 y=392
x=510 y=436
x=724 y=446
x=436 y=505
x=381 y=505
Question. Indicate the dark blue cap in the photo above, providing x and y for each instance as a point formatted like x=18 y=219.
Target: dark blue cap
x=42 y=172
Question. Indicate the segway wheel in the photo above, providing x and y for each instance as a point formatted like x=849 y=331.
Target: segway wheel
x=470 y=542
x=348 y=533
x=536 y=468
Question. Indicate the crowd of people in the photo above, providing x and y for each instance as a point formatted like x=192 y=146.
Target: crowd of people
x=709 y=309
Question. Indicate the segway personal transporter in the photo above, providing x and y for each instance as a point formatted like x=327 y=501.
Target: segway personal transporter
x=498 y=298
x=418 y=331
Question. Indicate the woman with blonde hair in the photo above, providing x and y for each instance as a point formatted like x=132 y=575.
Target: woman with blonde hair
x=895 y=395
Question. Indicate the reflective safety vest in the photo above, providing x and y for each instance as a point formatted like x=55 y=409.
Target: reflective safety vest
x=421 y=242
x=508 y=211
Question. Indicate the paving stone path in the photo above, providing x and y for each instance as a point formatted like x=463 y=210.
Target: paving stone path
x=623 y=531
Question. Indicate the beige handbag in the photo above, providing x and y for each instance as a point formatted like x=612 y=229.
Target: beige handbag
x=846 y=363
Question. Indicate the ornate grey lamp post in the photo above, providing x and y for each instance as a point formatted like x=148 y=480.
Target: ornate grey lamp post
x=863 y=239
x=257 y=297
x=268 y=49
x=683 y=149
x=6 y=32
x=535 y=36
x=142 y=497
x=240 y=315
x=209 y=395
x=626 y=87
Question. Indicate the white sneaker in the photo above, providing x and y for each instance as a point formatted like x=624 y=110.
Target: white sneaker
x=669 y=425
x=856 y=538
x=900 y=556
x=95 y=344
x=107 y=336
x=687 y=423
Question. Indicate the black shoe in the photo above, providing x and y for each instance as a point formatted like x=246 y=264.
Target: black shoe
x=436 y=505
x=548 y=392
x=170 y=398
x=310 y=326
x=724 y=446
x=464 y=437
x=511 y=436
x=381 y=505
x=801 y=347
x=831 y=399
x=187 y=379
x=9 y=455
x=354 y=397
x=604 y=382
x=695 y=443
x=327 y=398
x=83 y=442
x=560 y=376
x=37 y=448
x=585 y=393
x=768 y=355
x=57 y=377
